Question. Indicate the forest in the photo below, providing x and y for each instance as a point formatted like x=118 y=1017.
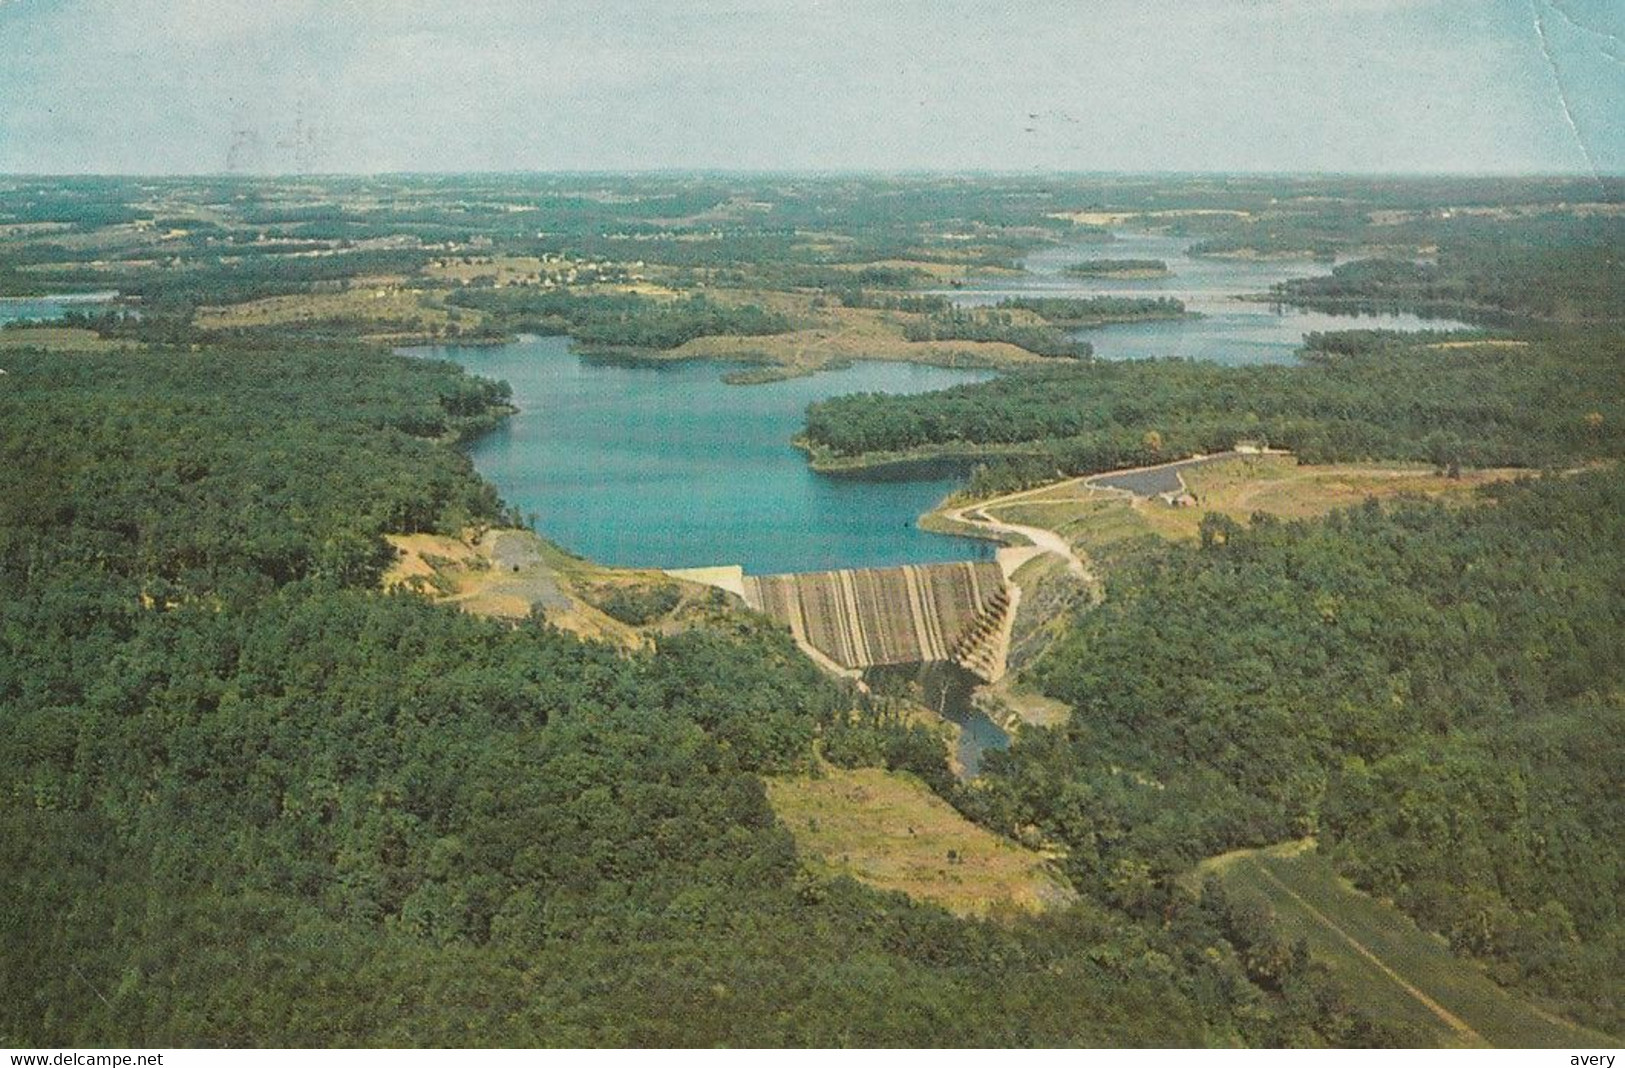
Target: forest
x=1433 y=694
x=1115 y=268
x=1551 y=398
x=621 y=321
x=255 y=801
x=1095 y=311
x=1491 y=283
x=961 y=324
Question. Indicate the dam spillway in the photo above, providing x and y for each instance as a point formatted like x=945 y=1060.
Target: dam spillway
x=870 y=617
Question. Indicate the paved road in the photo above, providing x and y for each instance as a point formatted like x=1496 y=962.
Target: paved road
x=1159 y=478
x=1043 y=541
x=1138 y=481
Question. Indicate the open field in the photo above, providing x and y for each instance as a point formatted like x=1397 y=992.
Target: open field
x=1119 y=218
x=1481 y=343
x=501 y=270
x=1388 y=966
x=387 y=306
x=889 y=830
x=1097 y=519
x=807 y=352
x=552 y=271
x=66 y=339
x=937 y=269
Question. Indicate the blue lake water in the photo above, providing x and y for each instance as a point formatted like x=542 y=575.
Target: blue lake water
x=1229 y=331
x=35 y=309
x=669 y=466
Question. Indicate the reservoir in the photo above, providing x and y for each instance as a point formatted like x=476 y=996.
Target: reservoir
x=669 y=466
x=666 y=465
x=1229 y=330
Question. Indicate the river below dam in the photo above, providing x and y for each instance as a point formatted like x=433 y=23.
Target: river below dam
x=949 y=691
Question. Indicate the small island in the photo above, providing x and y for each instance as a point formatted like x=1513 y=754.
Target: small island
x=1076 y=312
x=1117 y=269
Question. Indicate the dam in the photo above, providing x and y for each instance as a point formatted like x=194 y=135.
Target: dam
x=859 y=618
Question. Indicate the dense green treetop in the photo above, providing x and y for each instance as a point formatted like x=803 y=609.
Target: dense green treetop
x=1549 y=398
x=255 y=801
x=252 y=799
x=1435 y=694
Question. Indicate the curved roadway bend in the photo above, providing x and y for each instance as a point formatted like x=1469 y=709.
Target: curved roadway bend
x=1111 y=482
x=1043 y=541
x=1011 y=557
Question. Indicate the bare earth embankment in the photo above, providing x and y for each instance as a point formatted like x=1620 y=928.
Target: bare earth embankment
x=511 y=574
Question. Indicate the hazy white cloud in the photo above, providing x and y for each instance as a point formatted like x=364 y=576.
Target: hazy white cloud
x=155 y=85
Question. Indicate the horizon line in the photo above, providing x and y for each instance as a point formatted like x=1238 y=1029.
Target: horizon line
x=1606 y=184
x=834 y=172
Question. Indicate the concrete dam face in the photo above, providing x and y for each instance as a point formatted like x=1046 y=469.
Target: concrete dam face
x=857 y=619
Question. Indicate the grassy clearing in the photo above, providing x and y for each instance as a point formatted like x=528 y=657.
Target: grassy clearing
x=1279 y=486
x=938 y=269
x=937 y=522
x=1389 y=967
x=1010 y=697
x=504 y=270
x=58 y=339
x=1118 y=218
x=889 y=830
x=1099 y=517
x=380 y=305
x=1483 y=343
x=1099 y=521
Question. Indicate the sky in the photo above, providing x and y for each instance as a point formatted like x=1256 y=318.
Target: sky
x=326 y=86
